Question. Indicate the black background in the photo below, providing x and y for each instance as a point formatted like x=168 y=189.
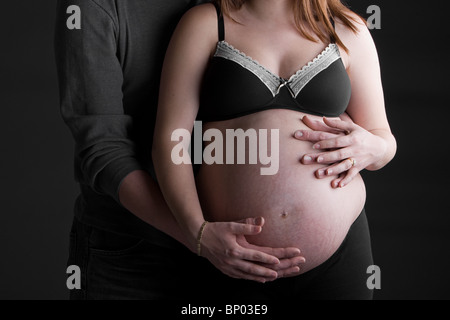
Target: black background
x=406 y=205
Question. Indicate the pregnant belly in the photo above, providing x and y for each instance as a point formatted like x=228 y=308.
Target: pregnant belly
x=300 y=210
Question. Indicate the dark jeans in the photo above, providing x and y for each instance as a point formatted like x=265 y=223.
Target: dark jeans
x=121 y=267
x=116 y=266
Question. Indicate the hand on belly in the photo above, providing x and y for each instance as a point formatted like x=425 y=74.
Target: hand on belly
x=300 y=210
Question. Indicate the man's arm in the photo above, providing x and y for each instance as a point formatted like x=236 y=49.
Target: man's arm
x=141 y=195
x=91 y=79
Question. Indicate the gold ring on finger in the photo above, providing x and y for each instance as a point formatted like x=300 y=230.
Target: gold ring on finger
x=353 y=161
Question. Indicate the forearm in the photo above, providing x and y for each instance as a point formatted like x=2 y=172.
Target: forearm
x=387 y=149
x=177 y=184
x=140 y=194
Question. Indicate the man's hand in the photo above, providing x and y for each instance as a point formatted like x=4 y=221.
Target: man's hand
x=225 y=246
x=290 y=258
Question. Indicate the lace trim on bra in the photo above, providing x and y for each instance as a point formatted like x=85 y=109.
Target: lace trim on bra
x=273 y=82
x=227 y=51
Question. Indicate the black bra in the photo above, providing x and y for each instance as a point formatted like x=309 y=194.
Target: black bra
x=235 y=85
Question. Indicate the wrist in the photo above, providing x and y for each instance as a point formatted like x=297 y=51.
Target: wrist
x=200 y=237
x=191 y=230
x=381 y=153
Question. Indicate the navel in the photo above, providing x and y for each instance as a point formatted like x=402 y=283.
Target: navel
x=284 y=215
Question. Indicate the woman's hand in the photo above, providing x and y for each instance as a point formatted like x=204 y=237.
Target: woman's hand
x=225 y=246
x=345 y=146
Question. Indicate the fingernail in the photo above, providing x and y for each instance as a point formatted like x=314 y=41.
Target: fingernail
x=299 y=134
x=258 y=221
x=320 y=172
x=316 y=146
x=319 y=159
x=307 y=158
x=329 y=172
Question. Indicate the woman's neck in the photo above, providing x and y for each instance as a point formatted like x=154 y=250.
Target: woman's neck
x=270 y=10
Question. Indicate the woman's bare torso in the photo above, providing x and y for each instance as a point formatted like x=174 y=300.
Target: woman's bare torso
x=299 y=209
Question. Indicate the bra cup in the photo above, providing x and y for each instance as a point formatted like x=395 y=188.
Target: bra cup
x=328 y=93
x=230 y=91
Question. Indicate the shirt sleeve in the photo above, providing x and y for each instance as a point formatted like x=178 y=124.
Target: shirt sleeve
x=90 y=81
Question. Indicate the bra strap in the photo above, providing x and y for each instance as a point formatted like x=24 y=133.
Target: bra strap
x=221 y=23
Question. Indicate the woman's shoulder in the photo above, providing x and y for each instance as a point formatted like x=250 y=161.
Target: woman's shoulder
x=196 y=32
x=203 y=15
x=199 y=22
x=358 y=23
x=358 y=37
